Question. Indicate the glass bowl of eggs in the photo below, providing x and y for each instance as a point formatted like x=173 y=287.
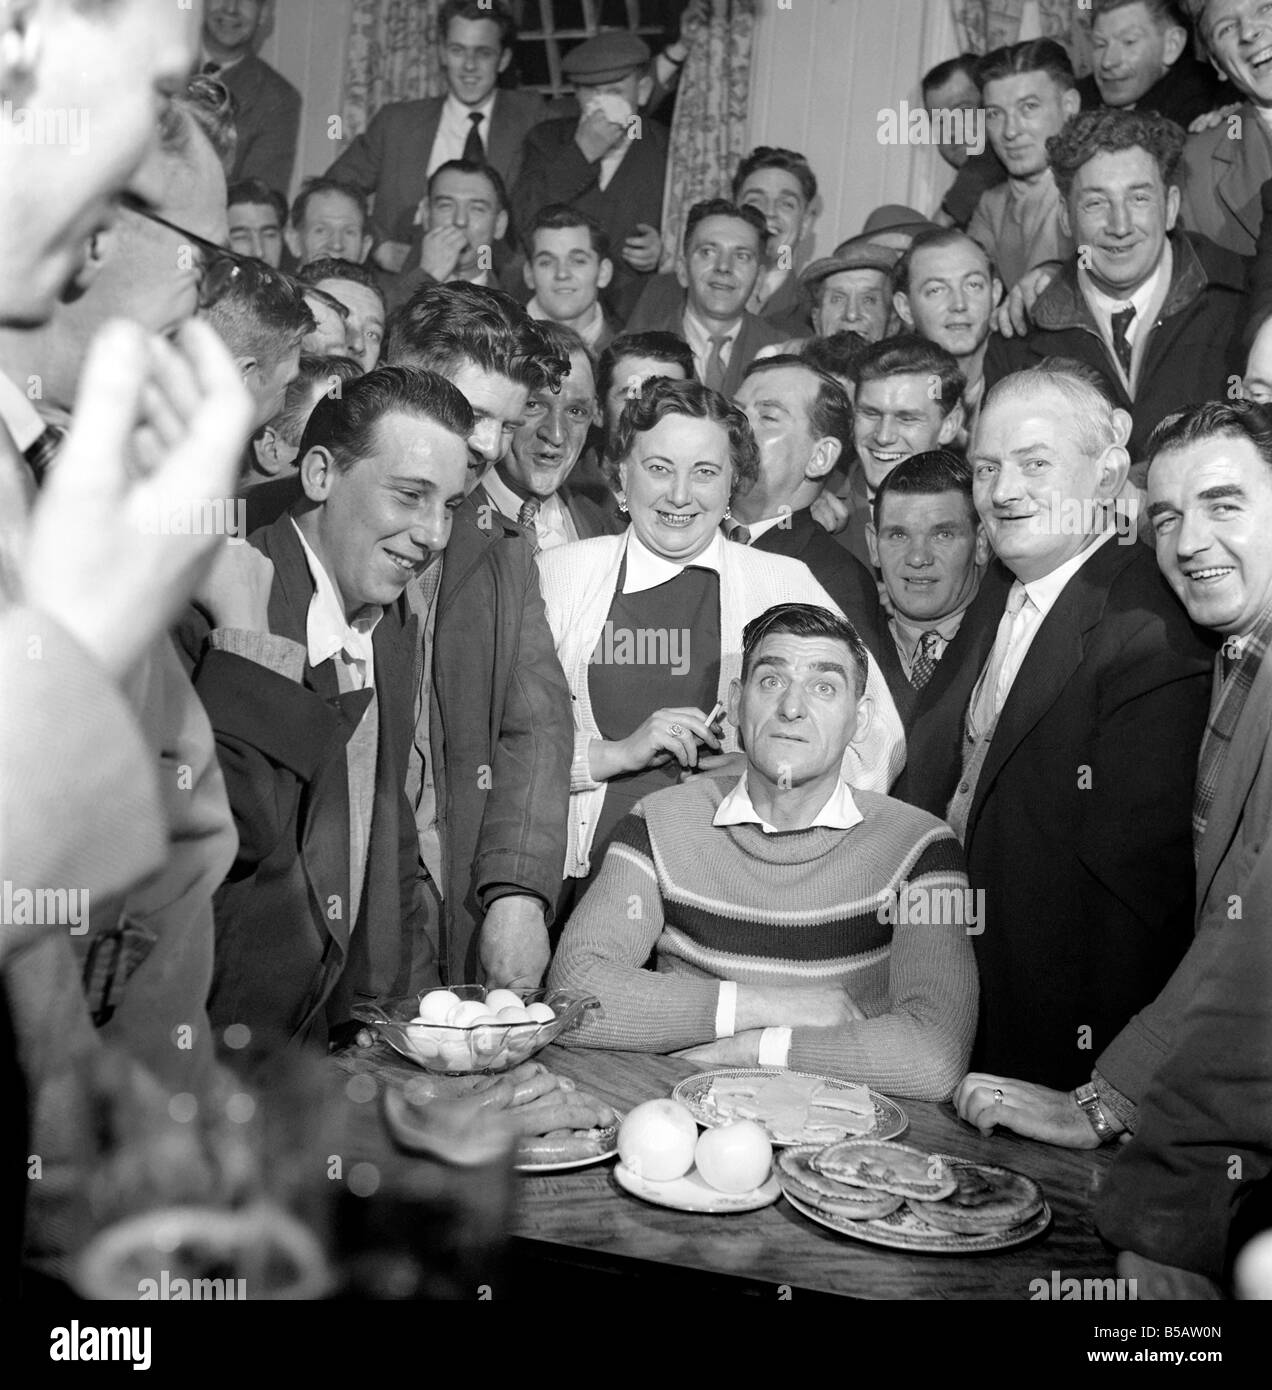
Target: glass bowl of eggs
x=467 y=1028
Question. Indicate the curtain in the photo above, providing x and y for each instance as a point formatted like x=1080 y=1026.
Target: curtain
x=709 y=129
x=988 y=24
x=392 y=56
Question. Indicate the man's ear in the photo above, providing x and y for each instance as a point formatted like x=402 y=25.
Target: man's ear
x=527 y=274
x=504 y=59
x=682 y=272
x=951 y=425
x=501 y=224
x=1071 y=102
x=872 y=543
x=292 y=238
x=865 y=713
x=1115 y=464
x=1066 y=222
x=1173 y=44
x=980 y=551
x=734 y=701
x=824 y=457
x=605 y=273
x=1172 y=206
x=317 y=473
x=901 y=306
x=366 y=247
x=997 y=290
x=265 y=452
x=99 y=248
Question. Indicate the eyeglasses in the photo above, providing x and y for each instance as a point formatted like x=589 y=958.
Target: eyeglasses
x=218 y=267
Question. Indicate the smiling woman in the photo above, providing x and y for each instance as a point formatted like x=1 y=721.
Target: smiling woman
x=648 y=625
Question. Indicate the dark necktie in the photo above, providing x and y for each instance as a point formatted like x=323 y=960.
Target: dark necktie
x=1121 y=344
x=735 y=531
x=529 y=510
x=474 y=150
x=714 y=374
x=924 y=663
x=40 y=455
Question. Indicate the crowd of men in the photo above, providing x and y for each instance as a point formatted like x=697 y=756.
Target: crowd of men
x=1020 y=445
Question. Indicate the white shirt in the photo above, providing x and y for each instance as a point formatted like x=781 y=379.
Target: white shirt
x=453 y=126
x=553 y=524
x=758 y=528
x=645 y=570
x=1016 y=635
x=698 y=336
x=1147 y=300
x=839 y=813
x=589 y=327
x=327 y=631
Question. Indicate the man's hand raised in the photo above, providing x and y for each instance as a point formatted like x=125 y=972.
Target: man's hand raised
x=121 y=534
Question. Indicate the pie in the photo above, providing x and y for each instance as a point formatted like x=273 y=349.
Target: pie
x=800 y=1180
x=883 y=1166
x=986 y=1199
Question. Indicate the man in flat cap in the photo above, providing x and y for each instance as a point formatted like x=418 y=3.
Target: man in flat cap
x=609 y=162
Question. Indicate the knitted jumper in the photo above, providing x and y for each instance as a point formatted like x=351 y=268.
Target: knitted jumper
x=800 y=907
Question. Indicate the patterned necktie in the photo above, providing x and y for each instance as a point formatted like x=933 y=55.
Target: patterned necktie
x=735 y=531
x=925 y=659
x=529 y=510
x=1121 y=344
x=40 y=455
x=474 y=150
x=714 y=374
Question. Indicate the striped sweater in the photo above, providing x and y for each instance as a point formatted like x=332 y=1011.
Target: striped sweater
x=817 y=906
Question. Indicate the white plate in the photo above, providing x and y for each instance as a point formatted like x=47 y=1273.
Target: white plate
x=889 y=1123
x=690 y=1193
x=569 y=1162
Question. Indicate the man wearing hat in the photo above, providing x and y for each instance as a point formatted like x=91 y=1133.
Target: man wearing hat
x=609 y=162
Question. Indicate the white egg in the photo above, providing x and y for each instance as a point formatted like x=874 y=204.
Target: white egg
x=436 y=1005
x=466 y=1014
x=499 y=999
x=514 y=1014
x=486 y=1041
x=457 y=1056
x=540 y=1013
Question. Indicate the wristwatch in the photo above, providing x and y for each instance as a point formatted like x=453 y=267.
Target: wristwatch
x=1088 y=1100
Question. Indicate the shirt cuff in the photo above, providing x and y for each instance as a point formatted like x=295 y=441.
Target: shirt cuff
x=1118 y=1109
x=775 y=1047
x=726 y=1009
x=581 y=768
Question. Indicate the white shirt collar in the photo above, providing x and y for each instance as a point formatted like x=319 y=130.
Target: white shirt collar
x=327 y=631
x=698 y=335
x=839 y=813
x=19 y=414
x=758 y=528
x=645 y=570
x=1044 y=592
x=589 y=329
x=1104 y=306
x=457 y=113
x=907 y=634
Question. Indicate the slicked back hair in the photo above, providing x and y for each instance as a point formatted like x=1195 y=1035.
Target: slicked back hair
x=908 y=354
x=311 y=188
x=837 y=355
x=257 y=193
x=655 y=345
x=260 y=313
x=962 y=66
x=722 y=207
x=471 y=166
x=774 y=157
x=565 y=342
x=1033 y=55
x=1239 y=419
x=1109 y=130
x=660 y=397
x=558 y=217
x=929 y=474
x=941 y=236
x=441 y=327
x=829 y=412
x=346 y=424
x=336 y=268
x=804 y=620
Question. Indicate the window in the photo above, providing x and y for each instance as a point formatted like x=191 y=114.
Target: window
x=550 y=28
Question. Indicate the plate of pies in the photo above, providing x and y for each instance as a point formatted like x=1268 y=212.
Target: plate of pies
x=793 y=1107
x=904 y=1198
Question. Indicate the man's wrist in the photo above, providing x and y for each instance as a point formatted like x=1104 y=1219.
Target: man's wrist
x=1088 y=1102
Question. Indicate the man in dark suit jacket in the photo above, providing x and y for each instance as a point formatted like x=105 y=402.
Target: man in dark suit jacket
x=1185 y=297
x=717 y=269
x=530 y=486
x=266 y=105
x=802 y=421
x=610 y=162
x=1048 y=760
x=1174 y=1194
x=305 y=651
x=407 y=141
x=931 y=550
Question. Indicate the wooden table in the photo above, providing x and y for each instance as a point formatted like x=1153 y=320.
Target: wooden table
x=583 y=1221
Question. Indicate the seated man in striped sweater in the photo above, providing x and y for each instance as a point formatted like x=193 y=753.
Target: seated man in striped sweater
x=795 y=922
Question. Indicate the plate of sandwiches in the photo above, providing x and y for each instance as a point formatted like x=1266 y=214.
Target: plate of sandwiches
x=794 y=1107
x=901 y=1197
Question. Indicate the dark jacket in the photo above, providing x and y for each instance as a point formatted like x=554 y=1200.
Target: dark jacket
x=286 y=962
x=663 y=300
x=390 y=159
x=555 y=171
x=842 y=575
x=267 y=118
x=592 y=518
x=656 y=311
x=1079 y=832
x=502 y=732
x=1194 y=347
x=1260 y=279
x=1188 y=89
